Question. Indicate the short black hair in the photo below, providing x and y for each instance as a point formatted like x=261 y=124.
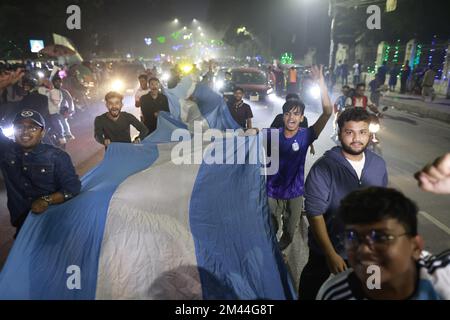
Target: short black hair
x=345 y=86
x=292 y=96
x=143 y=76
x=361 y=84
x=353 y=114
x=293 y=104
x=153 y=79
x=371 y=205
x=239 y=89
x=56 y=78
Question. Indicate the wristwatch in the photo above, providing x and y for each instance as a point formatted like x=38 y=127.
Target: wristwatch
x=47 y=199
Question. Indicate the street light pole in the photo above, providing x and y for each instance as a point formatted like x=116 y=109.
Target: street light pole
x=332 y=14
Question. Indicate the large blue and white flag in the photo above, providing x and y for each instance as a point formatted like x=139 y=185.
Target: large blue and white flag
x=151 y=224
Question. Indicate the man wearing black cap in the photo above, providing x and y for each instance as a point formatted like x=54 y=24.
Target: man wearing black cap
x=36 y=175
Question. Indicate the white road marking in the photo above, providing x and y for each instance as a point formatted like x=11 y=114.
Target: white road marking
x=436 y=222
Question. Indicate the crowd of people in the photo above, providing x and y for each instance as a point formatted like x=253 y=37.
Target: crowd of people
x=355 y=221
x=419 y=80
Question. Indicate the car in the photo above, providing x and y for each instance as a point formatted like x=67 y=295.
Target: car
x=254 y=81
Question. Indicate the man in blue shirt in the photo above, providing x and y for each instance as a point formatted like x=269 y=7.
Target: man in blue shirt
x=36 y=175
x=285 y=187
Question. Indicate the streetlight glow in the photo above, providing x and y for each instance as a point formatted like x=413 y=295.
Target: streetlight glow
x=175 y=20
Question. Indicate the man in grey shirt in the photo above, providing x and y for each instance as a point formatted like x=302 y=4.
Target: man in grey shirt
x=114 y=125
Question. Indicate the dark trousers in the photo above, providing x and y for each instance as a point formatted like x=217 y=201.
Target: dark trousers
x=403 y=85
x=314 y=274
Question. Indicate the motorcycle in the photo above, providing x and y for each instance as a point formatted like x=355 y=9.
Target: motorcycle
x=374 y=128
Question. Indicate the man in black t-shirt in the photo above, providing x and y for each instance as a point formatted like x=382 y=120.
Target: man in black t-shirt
x=114 y=125
x=240 y=111
x=152 y=103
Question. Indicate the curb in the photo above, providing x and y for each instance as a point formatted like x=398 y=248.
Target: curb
x=420 y=110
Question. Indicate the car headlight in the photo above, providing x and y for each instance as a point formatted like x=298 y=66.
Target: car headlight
x=165 y=76
x=8 y=132
x=374 y=127
x=187 y=68
x=219 y=84
x=314 y=91
x=117 y=85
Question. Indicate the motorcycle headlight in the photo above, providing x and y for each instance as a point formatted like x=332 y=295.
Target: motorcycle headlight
x=187 y=68
x=117 y=85
x=219 y=84
x=374 y=127
x=165 y=76
x=314 y=91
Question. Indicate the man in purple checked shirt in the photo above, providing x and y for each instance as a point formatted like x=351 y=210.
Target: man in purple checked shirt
x=285 y=188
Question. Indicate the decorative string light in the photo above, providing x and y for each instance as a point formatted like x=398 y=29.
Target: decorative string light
x=432 y=49
x=396 y=49
x=441 y=68
x=418 y=54
x=287 y=58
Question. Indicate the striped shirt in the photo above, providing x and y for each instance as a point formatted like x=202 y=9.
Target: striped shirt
x=433 y=282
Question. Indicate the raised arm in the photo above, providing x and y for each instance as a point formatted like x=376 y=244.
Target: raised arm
x=327 y=106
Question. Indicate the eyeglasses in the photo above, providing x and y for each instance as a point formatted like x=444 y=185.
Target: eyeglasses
x=374 y=239
x=24 y=128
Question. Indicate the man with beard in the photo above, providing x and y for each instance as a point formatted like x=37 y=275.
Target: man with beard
x=114 y=125
x=340 y=171
x=152 y=103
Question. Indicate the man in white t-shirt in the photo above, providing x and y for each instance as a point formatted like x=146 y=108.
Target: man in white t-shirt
x=55 y=98
x=142 y=90
x=337 y=173
x=356 y=72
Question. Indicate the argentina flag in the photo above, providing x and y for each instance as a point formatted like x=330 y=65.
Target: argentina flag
x=151 y=222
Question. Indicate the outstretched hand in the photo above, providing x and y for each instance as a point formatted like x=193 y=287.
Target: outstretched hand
x=317 y=73
x=435 y=177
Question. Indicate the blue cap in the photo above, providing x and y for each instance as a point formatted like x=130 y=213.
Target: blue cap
x=30 y=115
